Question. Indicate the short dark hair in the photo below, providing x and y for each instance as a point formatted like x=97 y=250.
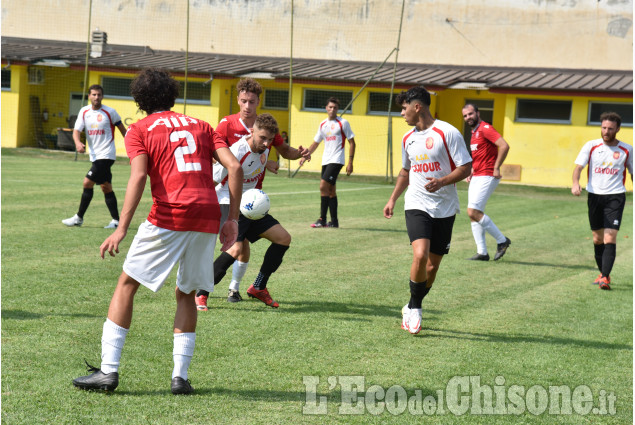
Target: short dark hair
x=415 y=93
x=249 y=85
x=333 y=100
x=154 y=90
x=611 y=116
x=472 y=105
x=96 y=87
x=266 y=122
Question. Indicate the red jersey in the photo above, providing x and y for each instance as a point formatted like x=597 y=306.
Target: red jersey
x=231 y=129
x=484 y=151
x=179 y=150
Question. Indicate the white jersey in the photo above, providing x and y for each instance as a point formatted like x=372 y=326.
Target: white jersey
x=100 y=131
x=253 y=165
x=334 y=133
x=607 y=166
x=434 y=152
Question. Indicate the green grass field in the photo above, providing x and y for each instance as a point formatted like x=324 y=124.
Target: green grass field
x=532 y=320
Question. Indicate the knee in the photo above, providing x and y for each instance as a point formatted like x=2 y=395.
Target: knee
x=420 y=257
x=474 y=215
x=182 y=296
x=283 y=239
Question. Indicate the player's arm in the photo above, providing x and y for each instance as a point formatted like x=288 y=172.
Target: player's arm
x=575 y=186
x=351 y=156
x=81 y=148
x=134 y=191
x=503 y=149
x=288 y=152
x=403 y=179
x=311 y=149
x=121 y=128
x=458 y=174
x=229 y=232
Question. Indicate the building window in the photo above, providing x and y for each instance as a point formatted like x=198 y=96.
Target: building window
x=315 y=100
x=276 y=99
x=547 y=111
x=378 y=104
x=6 y=79
x=625 y=110
x=116 y=87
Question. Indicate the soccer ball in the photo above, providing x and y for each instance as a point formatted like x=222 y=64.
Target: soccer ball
x=254 y=204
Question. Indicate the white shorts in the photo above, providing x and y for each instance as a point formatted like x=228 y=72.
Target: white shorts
x=155 y=251
x=481 y=188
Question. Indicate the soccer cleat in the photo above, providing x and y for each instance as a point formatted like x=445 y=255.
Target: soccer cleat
x=597 y=279
x=201 y=302
x=334 y=224
x=501 y=249
x=181 y=386
x=414 y=321
x=605 y=283
x=234 y=296
x=112 y=225
x=262 y=295
x=97 y=380
x=319 y=223
x=73 y=221
x=479 y=257
x=405 y=312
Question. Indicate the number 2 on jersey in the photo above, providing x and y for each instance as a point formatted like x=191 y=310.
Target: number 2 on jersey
x=181 y=151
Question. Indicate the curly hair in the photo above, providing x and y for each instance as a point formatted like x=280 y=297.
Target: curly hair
x=418 y=93
x=154 y=90
x=267 y=122
x=611 y=116
x=249 y=85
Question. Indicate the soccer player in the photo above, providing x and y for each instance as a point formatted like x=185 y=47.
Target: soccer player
x=489 y=150
x=231 y=129
x=334 y=131
x=99 y=122
x=252 y=152
x=176 y=151
x=434 y=158
x=608 y=159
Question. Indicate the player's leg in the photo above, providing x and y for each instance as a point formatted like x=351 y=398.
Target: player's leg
x=84 y=202
x=613 y=211
x=238 y=272
x=105 y=181
x=221 y=264
x=331 y=174
x=596 y=221
x=475 y=207
x=324 y=201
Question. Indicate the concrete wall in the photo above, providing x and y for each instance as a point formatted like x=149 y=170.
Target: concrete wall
x=531 y=33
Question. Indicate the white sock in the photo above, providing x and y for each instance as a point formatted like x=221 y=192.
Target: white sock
x=491 y=228
x=479 y=238
x=182 y=353
x=112 y=340
x=238 y=271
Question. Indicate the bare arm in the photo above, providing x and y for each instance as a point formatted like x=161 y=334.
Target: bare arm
x=402 y=183
x=81 y=148
x=503 y=149
x=575 y=187
x=134 y=191
x=122 y=129
x=351 y=156
x=287 y=152
x=458 y=174
x=312 y=149
x=229 y=232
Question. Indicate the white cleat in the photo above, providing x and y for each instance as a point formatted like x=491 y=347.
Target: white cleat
x=73 y=221
x=112 y=225
x=414 y=321
x=405 y=312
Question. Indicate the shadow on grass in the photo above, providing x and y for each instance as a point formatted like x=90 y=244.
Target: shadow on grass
x=29 y=315
x=514 y=339
x=561 y=266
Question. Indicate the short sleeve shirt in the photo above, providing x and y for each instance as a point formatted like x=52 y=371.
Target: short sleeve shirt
x=484 y=151
x=607 y=166
x=232 y=128
x=180 y=151
x=334 y=133
x=253 y=165
x=100 y=131
x=434 y=152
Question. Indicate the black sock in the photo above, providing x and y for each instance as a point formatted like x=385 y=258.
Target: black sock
x=202 y=292
x=111 y=203
x=87 y=196
x=599 y=252
x=271 y=262
x=324 y=206
x=608 y=258
x=418 y=291
x=333 y=208
x=221 y=264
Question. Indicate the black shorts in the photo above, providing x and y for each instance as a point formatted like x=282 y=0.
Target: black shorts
x=330 y=172
x=605 y=211
x=100 y=171
x=252 y=229
x=421 y=225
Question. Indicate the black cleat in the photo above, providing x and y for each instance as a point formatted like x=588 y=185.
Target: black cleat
x=234 y=296
x=97 y=380
x=334 y=224
x=479 y=257
x=181 y=386
x=501 y=249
